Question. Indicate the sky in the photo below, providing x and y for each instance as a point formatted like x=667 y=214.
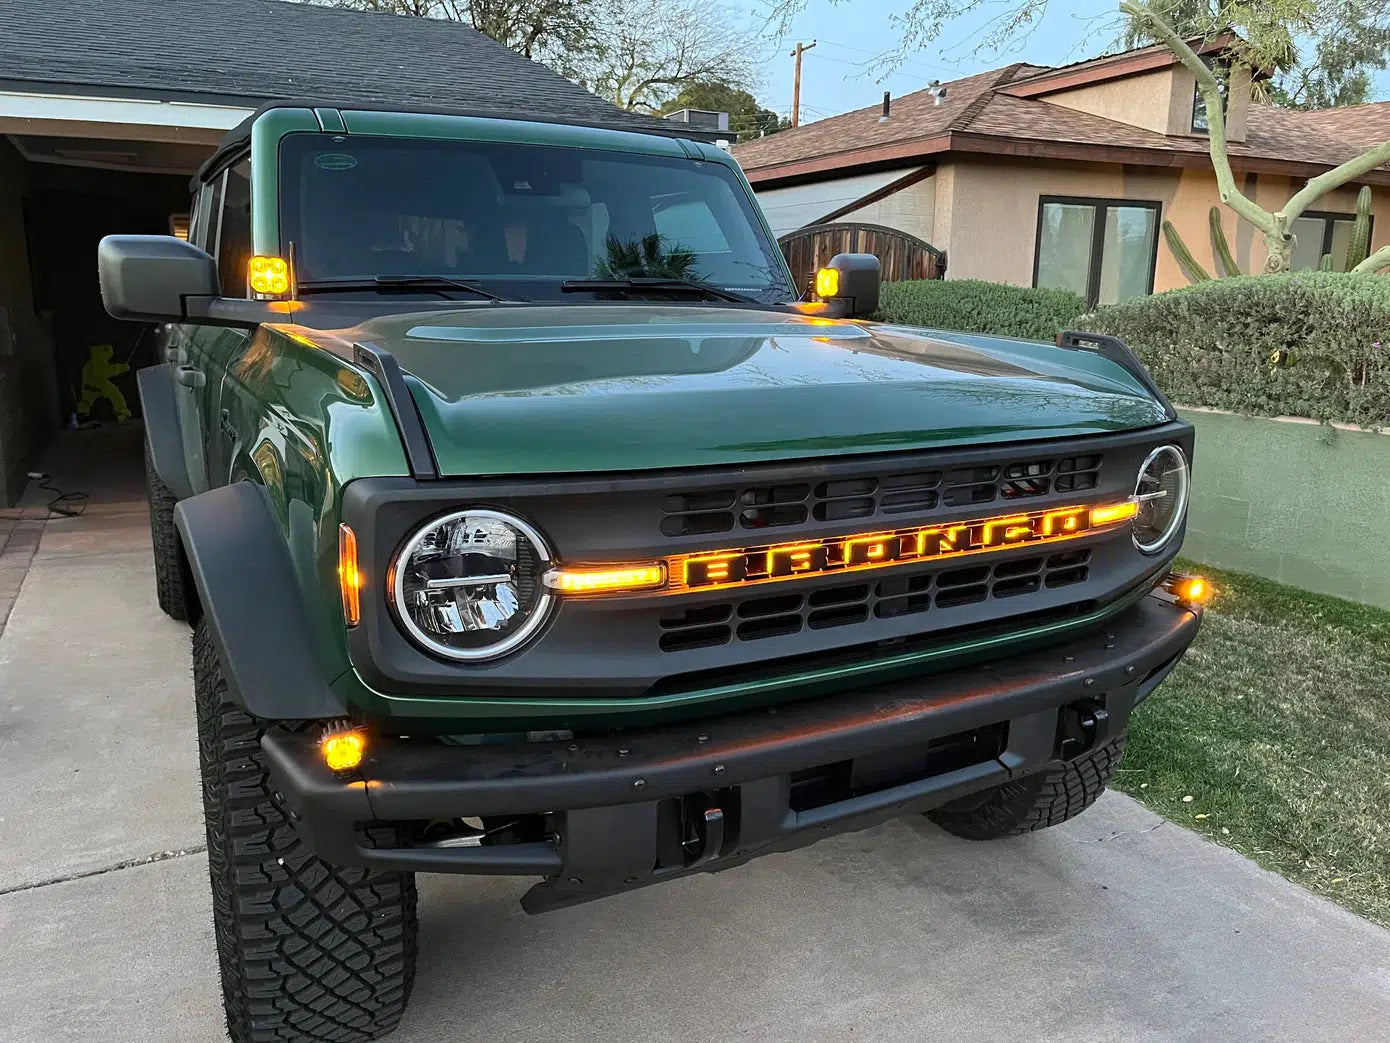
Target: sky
x=839 y=74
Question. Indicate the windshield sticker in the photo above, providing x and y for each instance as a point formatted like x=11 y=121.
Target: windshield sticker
x=335 y=161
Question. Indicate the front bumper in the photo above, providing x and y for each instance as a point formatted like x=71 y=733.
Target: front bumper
x=644 y=806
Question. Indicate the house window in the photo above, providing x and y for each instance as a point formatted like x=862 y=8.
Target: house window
x=1200 y=123
x=1319 y=233
x=1103 y=249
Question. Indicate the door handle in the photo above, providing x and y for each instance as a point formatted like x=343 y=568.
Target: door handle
x=190 y=376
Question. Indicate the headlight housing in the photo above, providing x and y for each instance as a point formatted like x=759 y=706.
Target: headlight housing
x=467 y=586
x=1162 y=494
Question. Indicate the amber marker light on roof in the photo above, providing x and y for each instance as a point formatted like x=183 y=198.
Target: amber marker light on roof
x=828 y=282
x=610 y=580
x=343 y=751
x=269 y=275
x=349 y=576
x=1115 y=512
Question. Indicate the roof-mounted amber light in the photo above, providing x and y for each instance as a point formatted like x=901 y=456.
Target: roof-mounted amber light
x=828 y=283
x=269 y=276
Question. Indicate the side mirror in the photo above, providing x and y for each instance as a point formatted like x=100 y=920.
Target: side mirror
x=850 y=284
x=148 y=277
x=160 y=278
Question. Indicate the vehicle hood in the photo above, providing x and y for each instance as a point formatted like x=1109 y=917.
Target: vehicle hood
x=600 y=387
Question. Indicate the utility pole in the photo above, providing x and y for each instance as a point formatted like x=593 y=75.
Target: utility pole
x=801 y=48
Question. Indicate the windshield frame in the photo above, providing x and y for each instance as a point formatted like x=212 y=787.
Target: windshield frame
x=780 y=285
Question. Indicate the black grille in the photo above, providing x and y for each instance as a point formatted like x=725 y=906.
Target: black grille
x=775 y=615
x=910 y=492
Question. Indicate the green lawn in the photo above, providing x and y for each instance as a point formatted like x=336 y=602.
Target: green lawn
x=1273 y=738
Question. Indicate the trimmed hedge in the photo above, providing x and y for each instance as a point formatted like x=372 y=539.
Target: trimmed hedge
x=1307 y=344
x=973 y=306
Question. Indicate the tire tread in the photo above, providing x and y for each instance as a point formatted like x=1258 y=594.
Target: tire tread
x=1033 y=802
x=307 y=950
x=171 y=582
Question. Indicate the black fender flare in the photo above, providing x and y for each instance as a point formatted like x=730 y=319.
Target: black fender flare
x=252 y=605
x=160 y=410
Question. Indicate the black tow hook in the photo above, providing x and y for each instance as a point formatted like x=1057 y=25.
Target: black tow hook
x=708 y=834
x=1081 y=726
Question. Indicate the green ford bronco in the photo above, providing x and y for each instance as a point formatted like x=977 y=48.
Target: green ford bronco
x=534 y=519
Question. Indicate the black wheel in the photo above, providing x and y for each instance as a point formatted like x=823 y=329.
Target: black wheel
x=308 y=950
x=171 y=580
x=1033 y=802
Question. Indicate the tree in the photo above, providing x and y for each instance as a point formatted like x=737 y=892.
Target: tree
x=1276 y=226
x=1346 y=40
x=1343 y=41
x=747 y=119
x=636 y=53
x=557 y=32
x=651 y=50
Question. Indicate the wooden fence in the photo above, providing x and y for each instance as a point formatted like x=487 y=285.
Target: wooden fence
x=900 y=255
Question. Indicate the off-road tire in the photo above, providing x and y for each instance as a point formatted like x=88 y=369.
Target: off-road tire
x=171 y=579
x=1033 y=802
x=308 y=950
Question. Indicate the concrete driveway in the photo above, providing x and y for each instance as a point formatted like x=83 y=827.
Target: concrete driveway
x=1117 y=926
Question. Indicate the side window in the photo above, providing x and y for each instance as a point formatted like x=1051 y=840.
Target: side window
x=212 y=214
x=234 y=239
x=198 y=217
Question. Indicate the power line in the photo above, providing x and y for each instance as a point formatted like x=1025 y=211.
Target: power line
x=903 y=62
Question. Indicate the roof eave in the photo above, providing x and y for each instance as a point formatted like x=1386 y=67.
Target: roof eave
x=861 y=161
x=1115 y=67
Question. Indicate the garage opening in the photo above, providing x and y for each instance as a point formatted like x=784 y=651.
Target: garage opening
x=65 y=365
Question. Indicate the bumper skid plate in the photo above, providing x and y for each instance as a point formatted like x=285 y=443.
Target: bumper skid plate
x=646 y=806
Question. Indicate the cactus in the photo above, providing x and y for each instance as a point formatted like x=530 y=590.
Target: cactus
x=1225 y=259
x=1360 y=245
x=1326 y=265
x=1190 y=268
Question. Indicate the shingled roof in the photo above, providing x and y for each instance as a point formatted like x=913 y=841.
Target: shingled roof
x=994 y=112
x=245 y=52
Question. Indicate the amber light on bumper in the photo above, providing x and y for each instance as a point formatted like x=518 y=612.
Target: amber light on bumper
x=1193 y=590
x=342 y=751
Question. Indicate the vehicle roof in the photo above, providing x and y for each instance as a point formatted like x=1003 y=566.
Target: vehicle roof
x=238 y=139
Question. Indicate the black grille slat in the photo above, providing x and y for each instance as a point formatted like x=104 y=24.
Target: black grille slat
x=700 y=637
x=849 y=604
x=772 y=626
x=840 y=615
x=895 y=493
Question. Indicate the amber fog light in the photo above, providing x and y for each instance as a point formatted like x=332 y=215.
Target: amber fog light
x=343 y=751
x=1193 y=590
x=468 y=585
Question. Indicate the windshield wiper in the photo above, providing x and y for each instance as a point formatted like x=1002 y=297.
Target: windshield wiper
x=401 y=283
x=658 y=284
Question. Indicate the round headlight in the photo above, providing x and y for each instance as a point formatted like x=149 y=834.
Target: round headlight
x=1162 y=495
x=468 y=585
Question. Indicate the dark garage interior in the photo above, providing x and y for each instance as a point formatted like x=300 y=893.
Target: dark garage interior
x=58 y=197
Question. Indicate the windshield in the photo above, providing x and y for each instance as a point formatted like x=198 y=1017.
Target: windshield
x=520 y=220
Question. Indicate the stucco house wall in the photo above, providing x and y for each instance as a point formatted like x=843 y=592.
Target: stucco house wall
x=984 y=213
x=911 y=209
